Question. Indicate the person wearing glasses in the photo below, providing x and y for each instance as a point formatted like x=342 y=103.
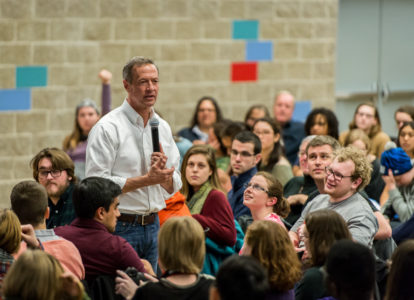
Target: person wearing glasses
x=205 y=197
x=366 y=118
x=264 y=197
x=244 y=156
x=54 y=169
x=348 y=174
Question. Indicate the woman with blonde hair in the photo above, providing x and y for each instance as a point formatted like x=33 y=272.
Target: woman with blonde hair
x=181 y=256
x=10 y=239
x=269 y=243
x=37 y=275
x=366 y=118
x=264 y=197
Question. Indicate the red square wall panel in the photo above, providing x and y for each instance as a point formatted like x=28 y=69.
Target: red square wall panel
x=244 y=71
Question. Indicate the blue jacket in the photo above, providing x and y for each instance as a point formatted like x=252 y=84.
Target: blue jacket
x=235 y=195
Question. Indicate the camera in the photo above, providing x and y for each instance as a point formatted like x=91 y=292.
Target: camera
x=135 y=275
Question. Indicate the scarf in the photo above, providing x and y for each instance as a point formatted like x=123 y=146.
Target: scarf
x=196 y=203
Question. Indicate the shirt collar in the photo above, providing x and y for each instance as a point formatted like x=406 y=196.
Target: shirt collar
x=133 y=116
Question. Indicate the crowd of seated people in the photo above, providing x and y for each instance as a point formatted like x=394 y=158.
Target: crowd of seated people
x=270 y=197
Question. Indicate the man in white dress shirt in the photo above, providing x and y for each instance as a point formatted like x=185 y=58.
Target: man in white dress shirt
x=120 y=149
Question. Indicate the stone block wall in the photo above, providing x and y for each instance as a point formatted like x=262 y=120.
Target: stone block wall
x=191 y=40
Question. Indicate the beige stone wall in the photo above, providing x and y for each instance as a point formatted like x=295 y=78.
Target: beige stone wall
x=191 y=41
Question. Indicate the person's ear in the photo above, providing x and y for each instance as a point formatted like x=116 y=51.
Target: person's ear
x=258 y=158
x=99 y=214
x=276 y=137
x=272 y=201
x=356 y=183
x=126 y=84
x=47 y=213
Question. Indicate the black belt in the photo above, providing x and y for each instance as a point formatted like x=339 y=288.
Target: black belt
x=139 y=219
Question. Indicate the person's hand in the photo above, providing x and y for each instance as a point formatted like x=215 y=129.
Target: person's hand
x=389 y=180
x=71 y=286
x=297 y=199
x=158 y=172
x=124 y=285
x=29 y=236
x=157 y=175
x=198 y=142
x=148 y=267
x=105 y=76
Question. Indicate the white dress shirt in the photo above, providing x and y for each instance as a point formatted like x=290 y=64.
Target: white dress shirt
x=120 y=147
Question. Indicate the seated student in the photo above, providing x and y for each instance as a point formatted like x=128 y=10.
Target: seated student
x=406 y=138
x=269 y=243
x=404 y=114
x=96 y=205
x=254 y=113
x=206 y=113
x=181 y=255
x=264 y=197
x=322 y=121
x=245 y=154
x=241 y=278
x=346 y=175
x=54 y=169
x=29 y=202
x=321 y=230
x=37 y=275
x=398 y=171
x=350 y=269
x=273 y=158
x=400 y=283
x=366 y=118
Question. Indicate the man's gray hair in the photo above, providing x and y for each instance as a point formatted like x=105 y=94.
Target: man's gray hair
x=136 y=61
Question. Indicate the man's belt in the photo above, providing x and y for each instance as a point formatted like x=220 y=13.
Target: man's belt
x=138 y=219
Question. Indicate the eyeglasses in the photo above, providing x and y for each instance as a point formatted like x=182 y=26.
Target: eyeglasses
x=242 y=153
x=256 y=187
x=337 y=176
x=54 y=173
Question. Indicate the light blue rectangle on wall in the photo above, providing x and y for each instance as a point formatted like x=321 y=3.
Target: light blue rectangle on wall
x=19 y=99
x=31 y=76
x=259 y=51
x=302 y=109
x=245 y=29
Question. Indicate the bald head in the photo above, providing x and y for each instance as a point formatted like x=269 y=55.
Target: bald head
x=283 y=107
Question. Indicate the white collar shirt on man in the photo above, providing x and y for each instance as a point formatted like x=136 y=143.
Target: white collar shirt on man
x=120 y=147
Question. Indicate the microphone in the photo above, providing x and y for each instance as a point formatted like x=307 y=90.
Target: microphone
x=154 y=133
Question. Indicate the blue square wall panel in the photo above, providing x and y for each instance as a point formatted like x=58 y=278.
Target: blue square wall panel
x=245 y=29
x=19 y=99
x=31 y=76
x=259 y=51
x=302 y=109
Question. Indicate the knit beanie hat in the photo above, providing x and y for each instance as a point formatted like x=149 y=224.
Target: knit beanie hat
x=395 y=159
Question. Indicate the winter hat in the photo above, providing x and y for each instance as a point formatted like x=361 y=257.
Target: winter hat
x=395 y=159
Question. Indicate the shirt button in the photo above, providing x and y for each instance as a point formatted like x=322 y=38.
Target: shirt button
x=56 y=211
